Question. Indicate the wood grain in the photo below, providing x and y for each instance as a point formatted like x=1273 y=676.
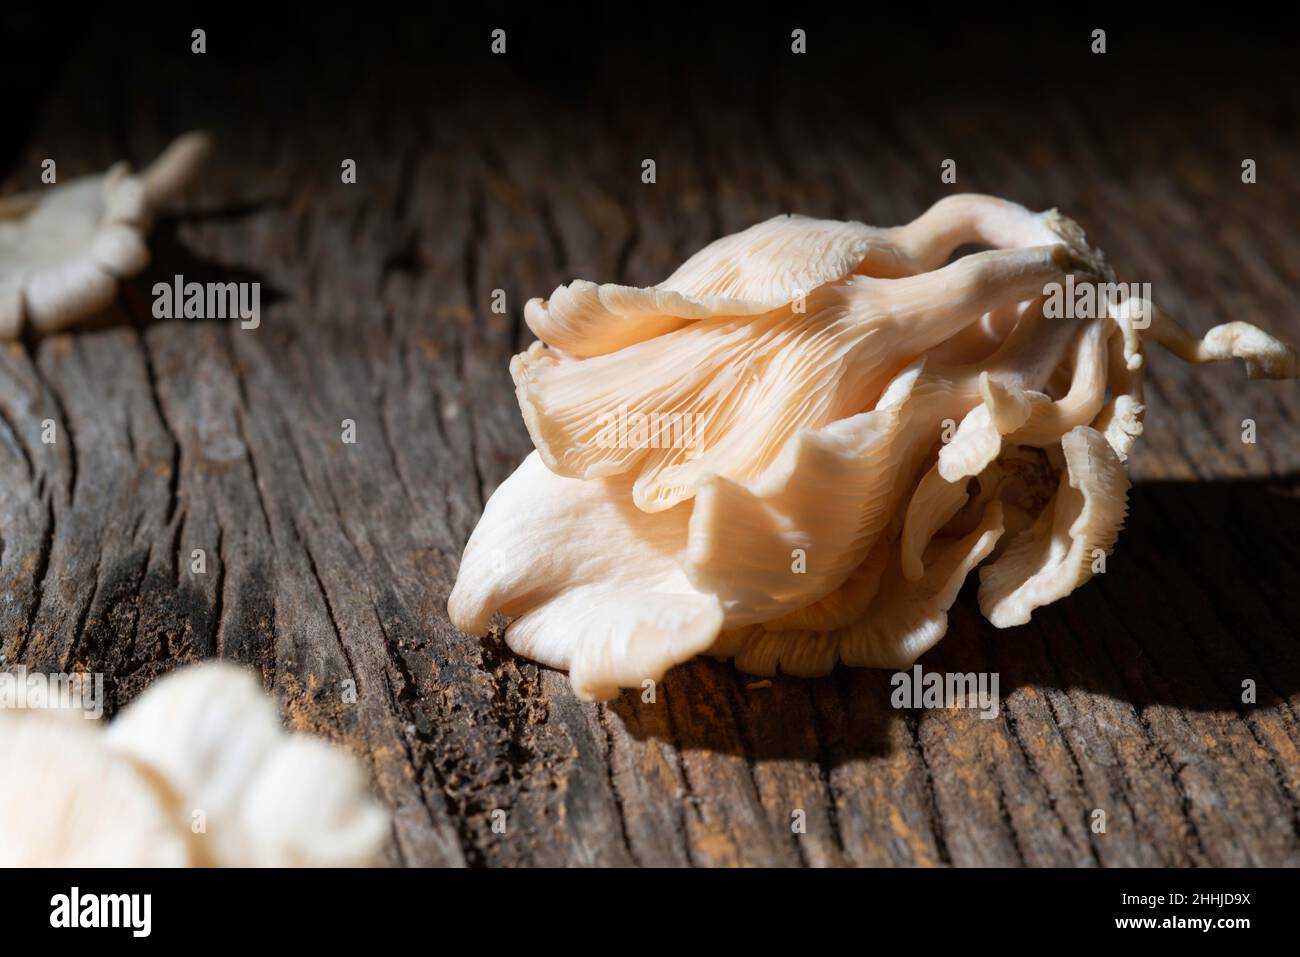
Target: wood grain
x=329 y=562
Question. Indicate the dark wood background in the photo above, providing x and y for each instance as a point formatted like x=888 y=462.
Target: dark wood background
x=329 y=562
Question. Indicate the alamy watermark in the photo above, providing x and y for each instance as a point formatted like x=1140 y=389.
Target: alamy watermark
x=133 y=912
x=76 y=691
x=649 y=430
x=1096 y=300
x=179 y=299
x=950 y=689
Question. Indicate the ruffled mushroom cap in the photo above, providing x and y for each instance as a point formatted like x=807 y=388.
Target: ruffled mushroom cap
x=1059 y=552
x=776 y=262
x=750 y=384
x=594 y=585
x=867 y=424
x=905 y=620
x=68 y=801
x=203 y=741
x=64 y=249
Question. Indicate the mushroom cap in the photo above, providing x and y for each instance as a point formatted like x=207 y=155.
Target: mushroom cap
x=1058 y=553
x=63 y=249
x=870 y=422
x=68 y=801
x=213 y=739
x=203 y=744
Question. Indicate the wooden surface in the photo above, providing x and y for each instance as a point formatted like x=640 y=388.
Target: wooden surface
x=329 y=562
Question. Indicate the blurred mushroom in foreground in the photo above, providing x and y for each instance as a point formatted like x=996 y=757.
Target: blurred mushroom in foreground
x=196 y=772
x=64 y=248
x=867 y=423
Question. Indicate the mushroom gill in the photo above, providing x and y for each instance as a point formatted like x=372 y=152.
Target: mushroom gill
x=794 y=450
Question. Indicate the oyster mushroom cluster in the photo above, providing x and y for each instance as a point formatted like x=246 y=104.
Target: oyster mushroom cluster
x=63 y=248
x=195 y=772
x=865 y=423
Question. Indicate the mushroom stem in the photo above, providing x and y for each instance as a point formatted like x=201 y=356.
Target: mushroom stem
x=944 y=302
x=1265 y=356
x=1048 y=421
x=167 y=175
x=955 y=221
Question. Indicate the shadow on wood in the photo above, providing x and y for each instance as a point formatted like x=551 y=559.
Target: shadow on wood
x=1198 y=598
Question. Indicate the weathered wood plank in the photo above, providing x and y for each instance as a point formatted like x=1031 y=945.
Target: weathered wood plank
x=330 y=563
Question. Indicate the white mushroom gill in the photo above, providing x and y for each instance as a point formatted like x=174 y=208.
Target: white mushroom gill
x=196 y=772
x=64 y=248
x=867 y=423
